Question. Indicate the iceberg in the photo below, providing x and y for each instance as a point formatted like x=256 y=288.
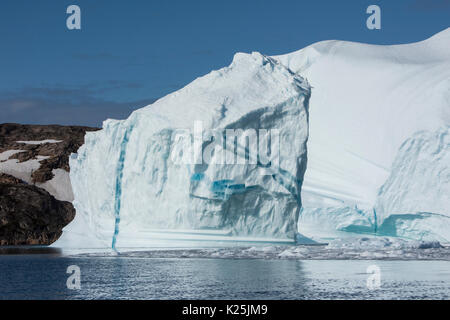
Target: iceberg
x=140 y=181
x=351 y=139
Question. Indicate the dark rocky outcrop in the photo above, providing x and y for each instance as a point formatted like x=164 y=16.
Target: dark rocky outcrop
x=30 y=215
x=6 y=178
x=71 y=137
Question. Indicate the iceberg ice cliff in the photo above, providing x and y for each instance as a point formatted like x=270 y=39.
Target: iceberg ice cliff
x=137 y=183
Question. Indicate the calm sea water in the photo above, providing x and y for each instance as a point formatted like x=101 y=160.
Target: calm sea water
x=42 y=275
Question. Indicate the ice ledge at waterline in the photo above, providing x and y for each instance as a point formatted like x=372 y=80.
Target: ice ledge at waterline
x=127 y=185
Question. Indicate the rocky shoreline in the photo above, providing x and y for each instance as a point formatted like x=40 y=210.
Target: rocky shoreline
x=29 y=214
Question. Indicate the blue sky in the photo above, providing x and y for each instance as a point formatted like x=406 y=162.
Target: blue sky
x=130 y=53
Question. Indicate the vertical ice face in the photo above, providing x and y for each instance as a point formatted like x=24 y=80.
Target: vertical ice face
x=137 y=182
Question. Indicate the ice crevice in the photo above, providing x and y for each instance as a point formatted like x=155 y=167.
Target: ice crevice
x=118 y=188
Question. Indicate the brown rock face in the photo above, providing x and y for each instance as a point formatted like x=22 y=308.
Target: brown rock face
x=72 y=138
x=6 y=178
x=30 y=215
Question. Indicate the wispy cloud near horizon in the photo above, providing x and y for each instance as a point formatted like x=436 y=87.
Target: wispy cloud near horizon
x=81 y=105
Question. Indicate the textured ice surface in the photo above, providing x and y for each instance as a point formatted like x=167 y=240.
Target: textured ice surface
x=413 y=203
x=381 y=248
x=366 y=102
x=415 y=200
x=128 y=187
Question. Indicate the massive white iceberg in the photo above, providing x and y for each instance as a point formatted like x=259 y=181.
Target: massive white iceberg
x=140 y=182
x=376 y=128
x=367 y=102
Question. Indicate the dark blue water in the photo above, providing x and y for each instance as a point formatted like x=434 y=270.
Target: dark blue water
x=43 y=276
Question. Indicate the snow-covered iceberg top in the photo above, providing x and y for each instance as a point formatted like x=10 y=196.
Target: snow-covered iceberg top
x=141 y=180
